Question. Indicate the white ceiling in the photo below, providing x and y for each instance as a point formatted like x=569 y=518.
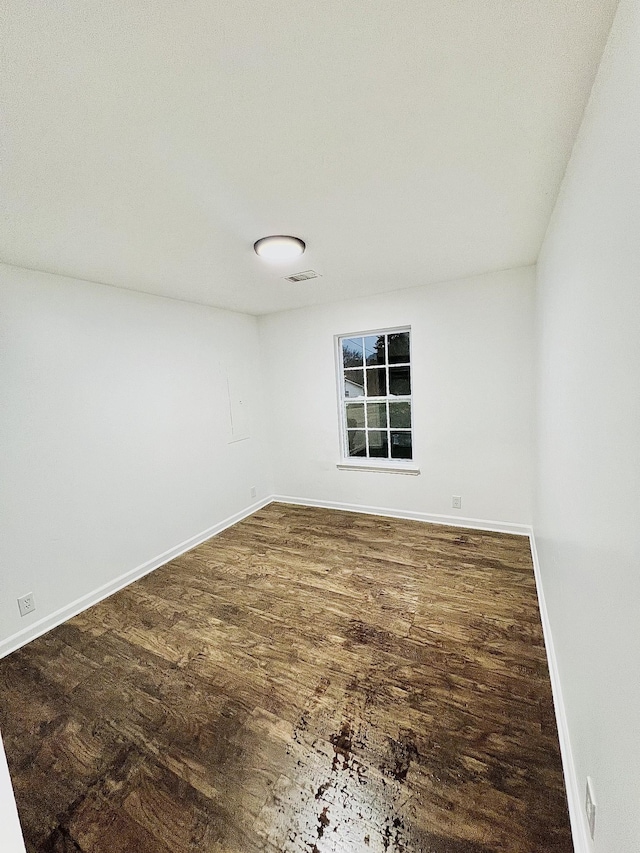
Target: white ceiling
x=149 y=143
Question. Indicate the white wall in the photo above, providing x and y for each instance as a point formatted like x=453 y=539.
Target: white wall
x=10 y=832
x=115 y=432
x=587 y=515
x=472 y=348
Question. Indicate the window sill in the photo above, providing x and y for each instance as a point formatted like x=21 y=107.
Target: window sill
x=380 y=468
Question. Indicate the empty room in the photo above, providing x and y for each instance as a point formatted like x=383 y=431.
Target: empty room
x=320 y=427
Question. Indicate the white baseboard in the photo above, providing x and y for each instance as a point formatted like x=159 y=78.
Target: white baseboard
x=45 y=624
x=451 y=520
x=579 y=831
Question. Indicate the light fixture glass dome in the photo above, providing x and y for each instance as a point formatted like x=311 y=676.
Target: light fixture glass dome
x=279 y=247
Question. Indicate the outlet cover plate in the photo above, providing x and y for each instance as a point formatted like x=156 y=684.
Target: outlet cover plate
x=456 y=501
x=26 y=604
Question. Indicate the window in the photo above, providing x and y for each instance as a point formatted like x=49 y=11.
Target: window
x=375 y=395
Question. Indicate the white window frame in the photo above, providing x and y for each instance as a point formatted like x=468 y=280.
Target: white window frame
x=367 y=463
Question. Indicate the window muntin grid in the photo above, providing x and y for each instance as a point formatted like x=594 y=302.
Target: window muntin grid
x=375 y=383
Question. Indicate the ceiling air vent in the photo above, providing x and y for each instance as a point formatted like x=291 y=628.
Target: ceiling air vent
x=302 y=276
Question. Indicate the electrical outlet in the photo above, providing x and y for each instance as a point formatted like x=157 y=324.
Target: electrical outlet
x=253 y=491
x=590 y=807
x=456 y=501
x=26 y=604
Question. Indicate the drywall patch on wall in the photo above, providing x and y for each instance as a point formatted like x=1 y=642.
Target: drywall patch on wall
x=238 y=389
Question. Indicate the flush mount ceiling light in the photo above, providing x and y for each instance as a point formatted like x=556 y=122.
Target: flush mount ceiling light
x=279 y=247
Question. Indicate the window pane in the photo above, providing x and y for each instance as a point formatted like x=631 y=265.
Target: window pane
x=376 y=382
x=378 y=443
x=355 y=415
x=377 y=410
x=377 y=415
x=401 y=445
x=357 y=444
x=352 y=352
x=399 y=380
x=374 y=349
x=399 y=347
x=399 y=414
x=354 y=383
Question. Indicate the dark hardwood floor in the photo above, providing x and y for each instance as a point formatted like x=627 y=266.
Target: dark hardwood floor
x=308 y=681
